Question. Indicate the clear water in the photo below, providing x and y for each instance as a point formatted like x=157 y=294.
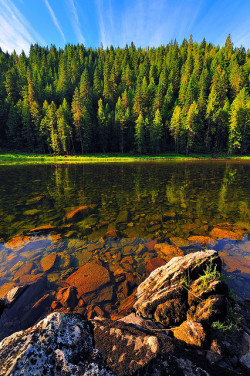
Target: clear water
x=167 y=201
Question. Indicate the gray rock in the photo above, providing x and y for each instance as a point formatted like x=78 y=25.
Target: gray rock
x=161 y=296
x=245 y=361
x=61 y=344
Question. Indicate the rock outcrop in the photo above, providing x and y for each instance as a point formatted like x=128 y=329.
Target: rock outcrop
x=61 y=344
x=164 y=295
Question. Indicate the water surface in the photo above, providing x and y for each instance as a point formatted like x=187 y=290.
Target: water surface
x=135 y=203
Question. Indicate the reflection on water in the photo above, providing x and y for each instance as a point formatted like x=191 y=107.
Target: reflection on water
x=169 y=194
x=71 y=216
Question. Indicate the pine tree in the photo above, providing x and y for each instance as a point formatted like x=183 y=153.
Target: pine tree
x=103 y=127
x=239 y=127
x=156 y=133
x=13 y=126
x=140 y=135
x=63 y=126
x=175 y=126
x=191 y=125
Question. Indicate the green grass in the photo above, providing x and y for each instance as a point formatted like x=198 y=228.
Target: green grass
x=210 y=274
x=9 y=158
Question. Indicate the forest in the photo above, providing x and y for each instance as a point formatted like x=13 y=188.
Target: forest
x=184 y=98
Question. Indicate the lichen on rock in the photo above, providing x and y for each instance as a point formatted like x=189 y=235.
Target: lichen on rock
x=61 y=344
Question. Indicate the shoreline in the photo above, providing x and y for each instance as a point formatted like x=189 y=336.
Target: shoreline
x=26 y=158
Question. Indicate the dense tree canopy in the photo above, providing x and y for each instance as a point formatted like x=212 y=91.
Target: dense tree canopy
x=189 y=98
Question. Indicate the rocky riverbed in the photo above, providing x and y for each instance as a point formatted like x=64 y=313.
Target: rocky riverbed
x=184 y=321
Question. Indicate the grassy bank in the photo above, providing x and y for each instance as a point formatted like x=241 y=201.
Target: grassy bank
x=7 y=158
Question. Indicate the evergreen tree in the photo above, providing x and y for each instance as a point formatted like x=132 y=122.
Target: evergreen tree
x=239 y=127
x=103 y=127
x=175 y=126
x=140 y=135
x=192 y=92
x=156 y=133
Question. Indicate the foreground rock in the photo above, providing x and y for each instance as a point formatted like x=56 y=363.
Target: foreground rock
x=171 y=332
x=132 y=349
x=163 y=296
x=64 y=344
x=61 y=344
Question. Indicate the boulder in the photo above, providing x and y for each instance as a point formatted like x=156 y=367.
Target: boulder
x=162 y=295
x=151 y=245
x=61 y=344
x=212 y=309
x=125 y=348
x=190 y=332
x=14 y=294
x=122 y=217
x=88 y=278
x=112 y=234
x=200 y=290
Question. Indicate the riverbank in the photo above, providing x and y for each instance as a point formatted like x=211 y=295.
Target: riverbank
x=8 y=158
x=184 y=322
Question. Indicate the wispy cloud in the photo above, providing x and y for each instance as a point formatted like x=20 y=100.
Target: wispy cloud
x=104 y=34
x=75 y=21
x=55 y=20
x=16 y=32
x=147 y=22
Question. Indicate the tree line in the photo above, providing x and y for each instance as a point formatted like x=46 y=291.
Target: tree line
x=185 y=98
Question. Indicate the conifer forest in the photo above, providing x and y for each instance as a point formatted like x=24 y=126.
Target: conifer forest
x=174 y=98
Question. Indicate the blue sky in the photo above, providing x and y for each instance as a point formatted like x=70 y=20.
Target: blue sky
x=117 y=22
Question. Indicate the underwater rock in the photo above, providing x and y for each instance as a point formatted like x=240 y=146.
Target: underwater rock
x=25 y=269
x=179 y=242
x=88 y=278
x=48 y=261
x=75 y=214
x=42 y=230
x=200 y=240
x=122 y=217
x=227 y=231
x=154 y=263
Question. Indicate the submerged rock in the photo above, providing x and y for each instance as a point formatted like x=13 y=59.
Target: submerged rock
x=48 y=261
x=154 y=263
x=74 y=214
x=227 y=231
x=61 y=344
x=88 y=278
x=42 y=230
x=168 y=251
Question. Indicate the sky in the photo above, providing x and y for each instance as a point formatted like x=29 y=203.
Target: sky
x=117 y=22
